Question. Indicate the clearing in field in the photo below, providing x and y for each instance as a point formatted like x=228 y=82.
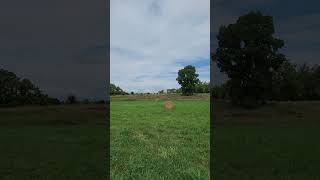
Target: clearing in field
x=150 y=142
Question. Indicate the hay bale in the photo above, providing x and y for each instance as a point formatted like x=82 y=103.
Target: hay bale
x=168 y=105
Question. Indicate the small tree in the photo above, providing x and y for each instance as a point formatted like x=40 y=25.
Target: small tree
x=71 y=99
x=188 y=78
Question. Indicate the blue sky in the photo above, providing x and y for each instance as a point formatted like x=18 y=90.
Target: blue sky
x=152 y=39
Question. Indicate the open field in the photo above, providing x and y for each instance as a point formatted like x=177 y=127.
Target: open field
x=149 y=142
x=158 y=97
x=278 y=142
x=55 y=142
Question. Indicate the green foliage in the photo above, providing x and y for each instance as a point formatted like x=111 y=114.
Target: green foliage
x=115 y=90
x=202 y=87
x=290 y=83
x=294 y=82
x=285 y=83
x=16 y=91
x=188 y=78
x=248 y=54
x=220 y=91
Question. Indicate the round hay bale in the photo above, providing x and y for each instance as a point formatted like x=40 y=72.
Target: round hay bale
x=168 y=105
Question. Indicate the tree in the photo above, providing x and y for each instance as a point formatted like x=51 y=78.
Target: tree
x=219 y=91
x=71 y=99
x=286 y=84
x=248 y=54
x=115 y=90
x=309 y=77
x=202 y=87
x=16 y=91
x=188 y=79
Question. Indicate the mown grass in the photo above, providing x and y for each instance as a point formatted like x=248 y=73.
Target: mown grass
x=55 y=142
x=158 y=97
x=278 y=142
x=149 y=142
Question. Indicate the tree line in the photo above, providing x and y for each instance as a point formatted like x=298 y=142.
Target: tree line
x=187 y=78
x=291 y=82
x=16 y=91
x=21 y=91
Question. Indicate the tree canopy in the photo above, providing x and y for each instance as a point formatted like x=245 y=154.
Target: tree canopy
x=116 y=90
x=188 y=79
x=16 y=91
x=248 y=54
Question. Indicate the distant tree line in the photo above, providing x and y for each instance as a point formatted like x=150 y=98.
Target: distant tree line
x=72 y=99
x=16 y=91
x=21 y=91
x=199 y=87
x=202 y=87
x=291 y=82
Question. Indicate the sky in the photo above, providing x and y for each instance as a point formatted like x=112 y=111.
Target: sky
x=296 y=22
x=59 y=45
x=151 y=40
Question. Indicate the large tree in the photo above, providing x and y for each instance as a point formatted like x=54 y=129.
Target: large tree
x=248 y=54
x=188 y=78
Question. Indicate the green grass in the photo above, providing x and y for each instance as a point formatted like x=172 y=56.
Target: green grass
x=278 y=142
x=275 y=142
x=149 y=142
x=55 y=142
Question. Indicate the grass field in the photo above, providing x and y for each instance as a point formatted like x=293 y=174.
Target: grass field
x=55 y=142
x=277 y=142
x=149 y=142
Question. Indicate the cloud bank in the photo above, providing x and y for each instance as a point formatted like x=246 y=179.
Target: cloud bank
x=151 y=40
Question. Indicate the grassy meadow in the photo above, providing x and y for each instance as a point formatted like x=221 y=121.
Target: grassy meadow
x=54 y=142
x=278 y=142
x=150 y=142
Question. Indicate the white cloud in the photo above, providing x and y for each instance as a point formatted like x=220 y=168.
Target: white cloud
x=150 y=39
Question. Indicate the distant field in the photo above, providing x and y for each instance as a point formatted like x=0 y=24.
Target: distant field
x=276 y=142
x=149 y=142
x=55 y=142
x=158 y=97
